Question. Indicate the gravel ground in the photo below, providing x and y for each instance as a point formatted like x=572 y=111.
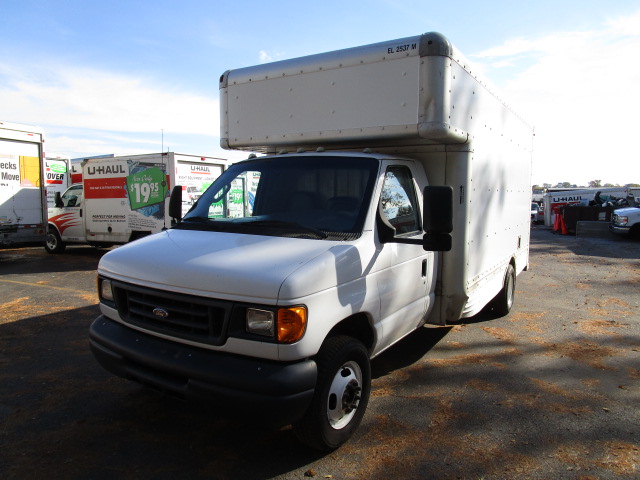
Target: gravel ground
x=550 y=391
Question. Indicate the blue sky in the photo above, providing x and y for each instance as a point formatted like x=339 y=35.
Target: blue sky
x=140 y=76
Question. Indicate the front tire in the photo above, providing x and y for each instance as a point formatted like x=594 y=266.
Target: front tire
x=341 y=396
x=54 y=243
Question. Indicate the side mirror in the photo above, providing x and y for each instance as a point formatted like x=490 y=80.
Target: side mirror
x=175 y=204
x=386 y=231
x=437 y=221
x=57 y=200
x=437 y=218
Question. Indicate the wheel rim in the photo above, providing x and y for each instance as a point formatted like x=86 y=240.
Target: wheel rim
x=510 y=290
x=52 y=242
x=344 y=395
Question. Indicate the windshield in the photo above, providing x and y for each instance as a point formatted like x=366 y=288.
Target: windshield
x=306 y=196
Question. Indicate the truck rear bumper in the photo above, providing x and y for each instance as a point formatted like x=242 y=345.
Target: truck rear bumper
x=278 y=393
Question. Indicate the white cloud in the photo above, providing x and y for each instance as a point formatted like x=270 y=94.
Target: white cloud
x=85 y=98
x=579 y=89
x=629 y=25
x=265 y=57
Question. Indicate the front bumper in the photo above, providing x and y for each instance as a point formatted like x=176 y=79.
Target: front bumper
x=619 y=230
x=276 y=392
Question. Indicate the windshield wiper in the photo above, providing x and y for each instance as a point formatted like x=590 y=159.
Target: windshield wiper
x=287 y=225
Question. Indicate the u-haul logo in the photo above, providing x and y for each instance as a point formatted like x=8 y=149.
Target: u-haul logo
x=105 y=170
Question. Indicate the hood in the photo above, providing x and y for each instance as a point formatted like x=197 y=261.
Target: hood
x=250 y=268
x=627 y=211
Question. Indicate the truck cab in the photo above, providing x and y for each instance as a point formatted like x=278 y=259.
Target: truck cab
x=626 y=221
x=66 y=221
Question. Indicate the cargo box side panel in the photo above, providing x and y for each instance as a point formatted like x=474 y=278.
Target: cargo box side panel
x=491 y=180
x=496 y=191
x=359 y=102
x=499 y=216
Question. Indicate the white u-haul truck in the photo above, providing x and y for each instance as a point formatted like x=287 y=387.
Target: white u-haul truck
x=57 y=176
x=23 y=210
x=124 y=198
x=407 y=204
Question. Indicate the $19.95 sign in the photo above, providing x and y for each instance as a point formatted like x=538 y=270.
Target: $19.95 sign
x=146 y=188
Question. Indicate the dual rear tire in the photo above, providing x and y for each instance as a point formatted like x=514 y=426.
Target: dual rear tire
x=503 y=302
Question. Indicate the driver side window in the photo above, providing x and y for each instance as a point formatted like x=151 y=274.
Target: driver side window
x=72 y=197
x=399 y=202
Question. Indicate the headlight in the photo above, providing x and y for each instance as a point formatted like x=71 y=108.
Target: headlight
x=260 y=322
x=286 y=325
x=104 y=289
x=619 y=220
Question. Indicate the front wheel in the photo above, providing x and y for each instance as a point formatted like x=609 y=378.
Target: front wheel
x=54 y=243
x=341 y=396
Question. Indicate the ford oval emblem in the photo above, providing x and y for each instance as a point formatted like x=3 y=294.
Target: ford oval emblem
x=159 y=312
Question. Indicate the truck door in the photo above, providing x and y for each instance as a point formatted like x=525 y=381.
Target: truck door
x=69 y=218
x=405 y=286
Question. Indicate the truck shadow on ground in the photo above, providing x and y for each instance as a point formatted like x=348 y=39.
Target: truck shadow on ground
x=407 y=351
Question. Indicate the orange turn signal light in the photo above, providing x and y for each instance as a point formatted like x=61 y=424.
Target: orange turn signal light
x=292 y=323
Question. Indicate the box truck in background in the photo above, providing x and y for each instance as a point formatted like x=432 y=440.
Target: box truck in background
x=57 y=176
x=23 y=211
x=76 y=166
x=395 y=193
x=554 y=201
x=124 y=198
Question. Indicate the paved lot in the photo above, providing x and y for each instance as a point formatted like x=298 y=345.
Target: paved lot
x=549 y=392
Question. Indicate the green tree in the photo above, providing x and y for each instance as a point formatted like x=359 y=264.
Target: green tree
x=595 y=183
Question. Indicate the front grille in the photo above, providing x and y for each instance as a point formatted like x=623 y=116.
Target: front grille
x=184 y=316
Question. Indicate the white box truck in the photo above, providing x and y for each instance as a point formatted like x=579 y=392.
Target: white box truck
x=57 y=176
x=554 y=201
x=396 y=193
x=23 y=211
x=124 y=198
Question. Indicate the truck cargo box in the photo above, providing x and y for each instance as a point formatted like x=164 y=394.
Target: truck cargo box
x=415 y=90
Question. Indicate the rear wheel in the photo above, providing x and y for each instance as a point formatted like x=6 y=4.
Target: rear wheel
x=341 y=397
x=503 y=302
x=54 y=243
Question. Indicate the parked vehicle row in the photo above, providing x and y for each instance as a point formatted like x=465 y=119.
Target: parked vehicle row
x=124 y=198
